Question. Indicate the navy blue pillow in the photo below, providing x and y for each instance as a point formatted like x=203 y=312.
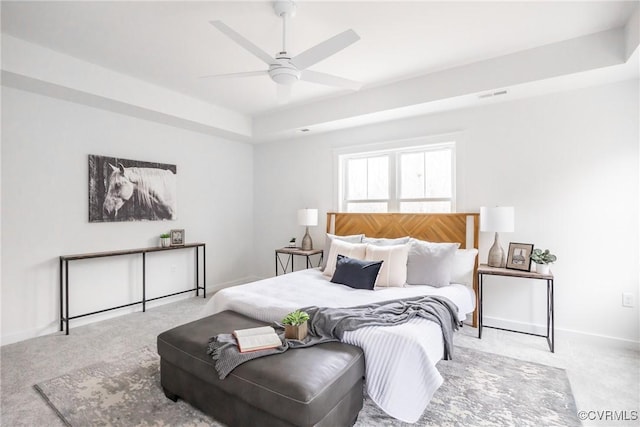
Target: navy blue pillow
x=356 y=273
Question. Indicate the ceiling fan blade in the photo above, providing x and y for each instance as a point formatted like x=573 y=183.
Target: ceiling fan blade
x=243 y=74
x=325 y=49
x=242 y=41
x=329 y=80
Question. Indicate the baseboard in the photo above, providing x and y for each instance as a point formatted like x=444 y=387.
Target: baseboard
x=567 y=335
x=54 y=327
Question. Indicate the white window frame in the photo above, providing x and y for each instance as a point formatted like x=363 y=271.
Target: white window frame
x=393 y=150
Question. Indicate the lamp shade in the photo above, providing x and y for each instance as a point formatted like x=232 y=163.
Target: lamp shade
x=499 y=219
x=308 y=217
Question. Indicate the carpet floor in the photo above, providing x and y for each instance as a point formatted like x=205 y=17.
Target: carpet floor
x=479 y=389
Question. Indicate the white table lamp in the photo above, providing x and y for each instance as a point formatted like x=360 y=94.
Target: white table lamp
x=307 y=217
x=498 y=219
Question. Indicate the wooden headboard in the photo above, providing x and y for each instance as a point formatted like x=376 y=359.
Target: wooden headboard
x=460 y=228
x=452 y=227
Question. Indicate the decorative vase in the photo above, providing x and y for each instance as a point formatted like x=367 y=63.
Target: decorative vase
x=165 y=242
x=496 y=254
x=542 y=268
x=296 y=332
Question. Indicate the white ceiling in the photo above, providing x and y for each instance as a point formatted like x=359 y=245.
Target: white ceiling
x=171 y=44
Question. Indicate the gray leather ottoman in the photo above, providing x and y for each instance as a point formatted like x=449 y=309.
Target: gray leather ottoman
x=315 y=386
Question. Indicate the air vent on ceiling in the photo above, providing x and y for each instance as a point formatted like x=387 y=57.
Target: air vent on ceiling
x=491 y=94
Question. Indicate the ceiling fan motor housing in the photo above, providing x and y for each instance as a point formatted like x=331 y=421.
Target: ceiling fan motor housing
x=283 y=72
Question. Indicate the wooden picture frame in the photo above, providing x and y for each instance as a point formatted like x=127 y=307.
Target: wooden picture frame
x=177 y=237
x=519 y=256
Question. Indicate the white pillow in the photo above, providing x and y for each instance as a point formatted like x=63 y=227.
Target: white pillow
x=383 y=241
x=430 y=263
x=394 y=267
x=339 y=247
x=464 y=261
x=355 y=238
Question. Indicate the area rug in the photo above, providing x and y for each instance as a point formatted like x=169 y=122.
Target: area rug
x=480 y=389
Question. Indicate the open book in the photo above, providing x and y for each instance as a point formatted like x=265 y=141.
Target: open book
x=253 y=339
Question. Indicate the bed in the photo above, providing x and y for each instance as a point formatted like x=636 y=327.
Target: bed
x=401 y=376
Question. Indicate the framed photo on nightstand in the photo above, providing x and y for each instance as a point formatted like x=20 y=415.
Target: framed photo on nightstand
x=177 y=237
x=519 y=256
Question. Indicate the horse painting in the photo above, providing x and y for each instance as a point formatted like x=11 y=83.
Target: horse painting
x=151 y=189
x=131 y=190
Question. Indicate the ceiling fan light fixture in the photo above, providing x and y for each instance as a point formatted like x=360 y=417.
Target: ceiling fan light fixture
x=284 y=75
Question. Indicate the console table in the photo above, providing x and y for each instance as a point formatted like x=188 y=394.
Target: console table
x=485 y=270
x=290 y=252
x=64 y=277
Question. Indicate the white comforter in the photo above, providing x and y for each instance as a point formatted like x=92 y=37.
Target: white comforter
x=400 y=360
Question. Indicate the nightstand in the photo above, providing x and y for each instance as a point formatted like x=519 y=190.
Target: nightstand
x=291 y=252
x=485 y=270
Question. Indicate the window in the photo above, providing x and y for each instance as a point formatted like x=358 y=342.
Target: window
x=414 y=179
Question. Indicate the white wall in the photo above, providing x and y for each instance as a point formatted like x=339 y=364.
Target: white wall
x=45 y=210
x=568 y=162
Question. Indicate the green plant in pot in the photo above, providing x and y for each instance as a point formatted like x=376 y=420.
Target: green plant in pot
x=295 y=325
x=165 y=240
x=542 y=260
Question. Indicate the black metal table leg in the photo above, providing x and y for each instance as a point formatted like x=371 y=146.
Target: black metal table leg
x=144 y=279
x=550 y=315
x=66 y=290
x=61 y=296
x=197 y=271
x=204 y=271
x=480 y=276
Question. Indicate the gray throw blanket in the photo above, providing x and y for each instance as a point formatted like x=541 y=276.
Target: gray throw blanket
x=330 y=324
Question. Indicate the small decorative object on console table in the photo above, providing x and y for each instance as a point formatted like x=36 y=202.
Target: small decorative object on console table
x=498 y=219
x=177 y=237
x=292 y=242
x=295 y=325
x=519 y=257
x=165 y=240
x=307 y=217
x=542 y=260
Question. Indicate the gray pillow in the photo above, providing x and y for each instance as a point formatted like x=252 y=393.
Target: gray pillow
x=430 y=263
x=355 y=238
x=385 y=242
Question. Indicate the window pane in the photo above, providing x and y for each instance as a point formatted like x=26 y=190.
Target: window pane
x=356 y=179
x=412 y=175
x=425 y=207
x=378 y=177
x=370 y=207
x=368 y=178
x=437 y=173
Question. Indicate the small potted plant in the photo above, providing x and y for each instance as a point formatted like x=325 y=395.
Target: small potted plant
x=542 y=260
x=292 y=242
x=295 y=325
x=165 y=240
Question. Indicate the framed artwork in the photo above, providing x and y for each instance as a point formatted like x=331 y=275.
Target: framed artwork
x=519 y=256
x=177 y=237
x=131 y=190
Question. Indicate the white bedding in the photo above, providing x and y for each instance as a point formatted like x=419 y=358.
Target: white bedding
x=400 y=360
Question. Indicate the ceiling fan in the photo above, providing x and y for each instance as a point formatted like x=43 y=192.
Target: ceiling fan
x=286 y=70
